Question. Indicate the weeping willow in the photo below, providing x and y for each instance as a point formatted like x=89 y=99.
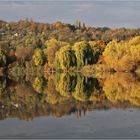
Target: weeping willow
x=83 y=53
x=65 y=58
x=97 y=49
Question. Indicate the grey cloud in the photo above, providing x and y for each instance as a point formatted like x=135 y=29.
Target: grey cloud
x=101 y=13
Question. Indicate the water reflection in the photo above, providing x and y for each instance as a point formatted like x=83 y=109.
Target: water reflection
x=79 y=87
x=64 y=94
x=123 y=88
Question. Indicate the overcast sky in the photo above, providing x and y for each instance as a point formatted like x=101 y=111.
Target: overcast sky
x=94 y=13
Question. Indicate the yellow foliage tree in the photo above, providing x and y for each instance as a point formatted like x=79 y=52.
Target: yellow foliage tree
x=65 y=58
x=123 y=55
x=52 y=47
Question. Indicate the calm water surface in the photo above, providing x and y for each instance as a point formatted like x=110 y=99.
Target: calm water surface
x=70 y=106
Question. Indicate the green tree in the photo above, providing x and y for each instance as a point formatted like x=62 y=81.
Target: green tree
x=65 y=58
x=84 y=53
x=97 y=48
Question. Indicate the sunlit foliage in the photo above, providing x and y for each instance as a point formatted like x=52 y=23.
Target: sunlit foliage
x=65 y=58
x=83 y=53
x=124 y=55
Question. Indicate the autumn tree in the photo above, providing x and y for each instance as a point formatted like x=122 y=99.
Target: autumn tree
x=65 y=58
x=97 y=48
x=84 y=53
x=52 y=47
x=123 y=55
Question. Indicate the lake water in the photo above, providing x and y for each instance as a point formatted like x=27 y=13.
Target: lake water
x=70 y=106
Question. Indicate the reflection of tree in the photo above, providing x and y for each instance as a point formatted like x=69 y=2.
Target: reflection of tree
x=39 y=84
x=65 y=84
x=23 y=102
x=52 y=95
x=121 y=88
x=85 y=88
x=78 y=86
x=65 y=94
x=18 y=98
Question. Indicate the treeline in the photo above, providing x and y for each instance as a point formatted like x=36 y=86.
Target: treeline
x=117 y=56
x=54 y=55
x=66 y=47
x=33 y=32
